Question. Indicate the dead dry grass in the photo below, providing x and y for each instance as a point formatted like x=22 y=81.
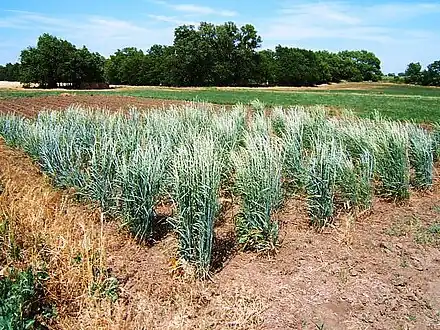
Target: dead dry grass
x=52 y=233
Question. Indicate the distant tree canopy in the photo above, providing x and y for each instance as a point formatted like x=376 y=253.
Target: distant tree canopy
x=222 y=55
x=10 y=72
x=227 y=55
x=428 y=77
x=206 y=55
x=55 y=61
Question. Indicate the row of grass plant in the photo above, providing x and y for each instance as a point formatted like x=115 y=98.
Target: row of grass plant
x=127 y=162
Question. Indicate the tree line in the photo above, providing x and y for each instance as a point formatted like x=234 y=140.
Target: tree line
x=206 y=55
x=428 y=77
x=10 y=72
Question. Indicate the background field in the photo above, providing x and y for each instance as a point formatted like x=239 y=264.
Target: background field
x=399 y=102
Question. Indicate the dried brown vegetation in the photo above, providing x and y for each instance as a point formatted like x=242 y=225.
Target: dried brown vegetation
x=51 y=232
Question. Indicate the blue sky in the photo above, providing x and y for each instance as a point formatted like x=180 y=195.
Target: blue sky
x=398 y=32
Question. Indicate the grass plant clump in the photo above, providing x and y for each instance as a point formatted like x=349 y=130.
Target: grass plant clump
x=196 y=175
x=101 y=185
x=357 y=135
x=316 y=124
x=421 y=157
x=354 y=181
x=229 y=132
x=14 y=129
x=322 y=173
x=392 y=161
x=356 y=175
x=436 y=141
x=140 y=177
x=258 y=168
x=290 y=126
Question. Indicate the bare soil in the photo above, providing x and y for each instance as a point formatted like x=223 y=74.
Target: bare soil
x=379 y=271
x=29 y=106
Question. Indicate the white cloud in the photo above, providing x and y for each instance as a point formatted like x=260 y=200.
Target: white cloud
x=202 y=10
x=344 y=20
x=400 y=11
x=193 y=9
x=389 y=29
x=331 y=12
x=172 y=19
x=102 y=34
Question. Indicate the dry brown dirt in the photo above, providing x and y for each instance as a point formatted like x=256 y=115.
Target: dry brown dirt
x=380 y=271
x=29 y=106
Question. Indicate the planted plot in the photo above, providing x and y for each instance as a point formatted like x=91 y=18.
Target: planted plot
x=189 y=155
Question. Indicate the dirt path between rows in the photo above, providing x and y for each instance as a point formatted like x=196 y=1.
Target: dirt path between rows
x=378 y=272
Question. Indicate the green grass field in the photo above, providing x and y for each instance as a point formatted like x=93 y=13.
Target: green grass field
x=399 y=102
x=415 y=107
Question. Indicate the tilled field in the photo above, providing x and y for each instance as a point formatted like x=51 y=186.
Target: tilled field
x=29 y=106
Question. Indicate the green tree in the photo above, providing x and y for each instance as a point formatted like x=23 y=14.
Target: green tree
x=215 y=55
x=225 y=54
x=55 y=61
x=246 y=61
x=206 y=55
x=334 y=66
x=192 y=62
x=297 y=67
x=159 y=63
x=413 y=73
x=31 y=71
x=361 y=66
x=10 y=72
x=53 y=57
x=433 y=74
x=84 y=66
x=267 y=67
x=325 y=74
x=126 y=67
